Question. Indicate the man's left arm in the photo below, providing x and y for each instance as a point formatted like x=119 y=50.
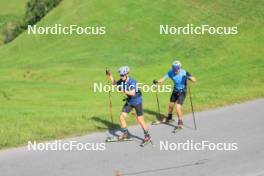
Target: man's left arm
x=190 y=77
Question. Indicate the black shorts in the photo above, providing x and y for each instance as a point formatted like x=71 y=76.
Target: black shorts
x=127 y=108
x=178 y=96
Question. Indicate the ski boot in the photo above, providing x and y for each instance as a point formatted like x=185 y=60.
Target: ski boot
x=146 y=140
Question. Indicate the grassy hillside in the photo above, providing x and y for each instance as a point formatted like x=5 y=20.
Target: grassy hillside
x=46 y=81
x=10 y=10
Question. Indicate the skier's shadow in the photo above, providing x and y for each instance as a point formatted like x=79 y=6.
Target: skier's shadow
x=106 y=124
x=156 y=114
x=159 y=117
x=113 y=129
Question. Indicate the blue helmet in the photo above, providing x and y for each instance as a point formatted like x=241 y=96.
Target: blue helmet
x=176 y=66
x=123 y=70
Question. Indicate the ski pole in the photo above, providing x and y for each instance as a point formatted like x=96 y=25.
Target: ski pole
x=192 y=107
x=110 y=102
x=157 y=97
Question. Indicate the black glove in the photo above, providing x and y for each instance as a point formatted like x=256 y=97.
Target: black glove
x=120 y=88
x=155 y=81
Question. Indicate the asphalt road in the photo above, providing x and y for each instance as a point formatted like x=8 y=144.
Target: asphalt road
x=240 y=125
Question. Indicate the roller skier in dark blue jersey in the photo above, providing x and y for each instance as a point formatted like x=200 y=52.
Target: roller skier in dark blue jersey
x=128 y=86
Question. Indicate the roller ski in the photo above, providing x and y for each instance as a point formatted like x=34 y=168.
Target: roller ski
x=122 y=138
x=179 y=127
x=147 y=140
x=160 y=122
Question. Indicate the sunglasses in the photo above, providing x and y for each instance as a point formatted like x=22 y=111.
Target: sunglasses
x=175 y=68
x=122 y=75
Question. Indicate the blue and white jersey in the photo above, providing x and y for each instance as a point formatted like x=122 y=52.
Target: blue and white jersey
x=131 y=84
x=179 y=79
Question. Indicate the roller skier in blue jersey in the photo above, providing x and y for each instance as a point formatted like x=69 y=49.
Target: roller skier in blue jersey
x=179 y=76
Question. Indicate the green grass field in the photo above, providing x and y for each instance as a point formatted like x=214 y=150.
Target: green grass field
x=46 y=82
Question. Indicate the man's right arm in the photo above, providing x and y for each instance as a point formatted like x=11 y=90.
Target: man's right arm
x=110 y=77
x=161 y=80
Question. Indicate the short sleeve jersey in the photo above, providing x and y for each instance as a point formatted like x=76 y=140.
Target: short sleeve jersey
x=179 y=79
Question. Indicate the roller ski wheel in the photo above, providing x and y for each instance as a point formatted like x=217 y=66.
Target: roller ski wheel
x=122 y=138
x=177 y=129
x=159 y=122
x=146 y=141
